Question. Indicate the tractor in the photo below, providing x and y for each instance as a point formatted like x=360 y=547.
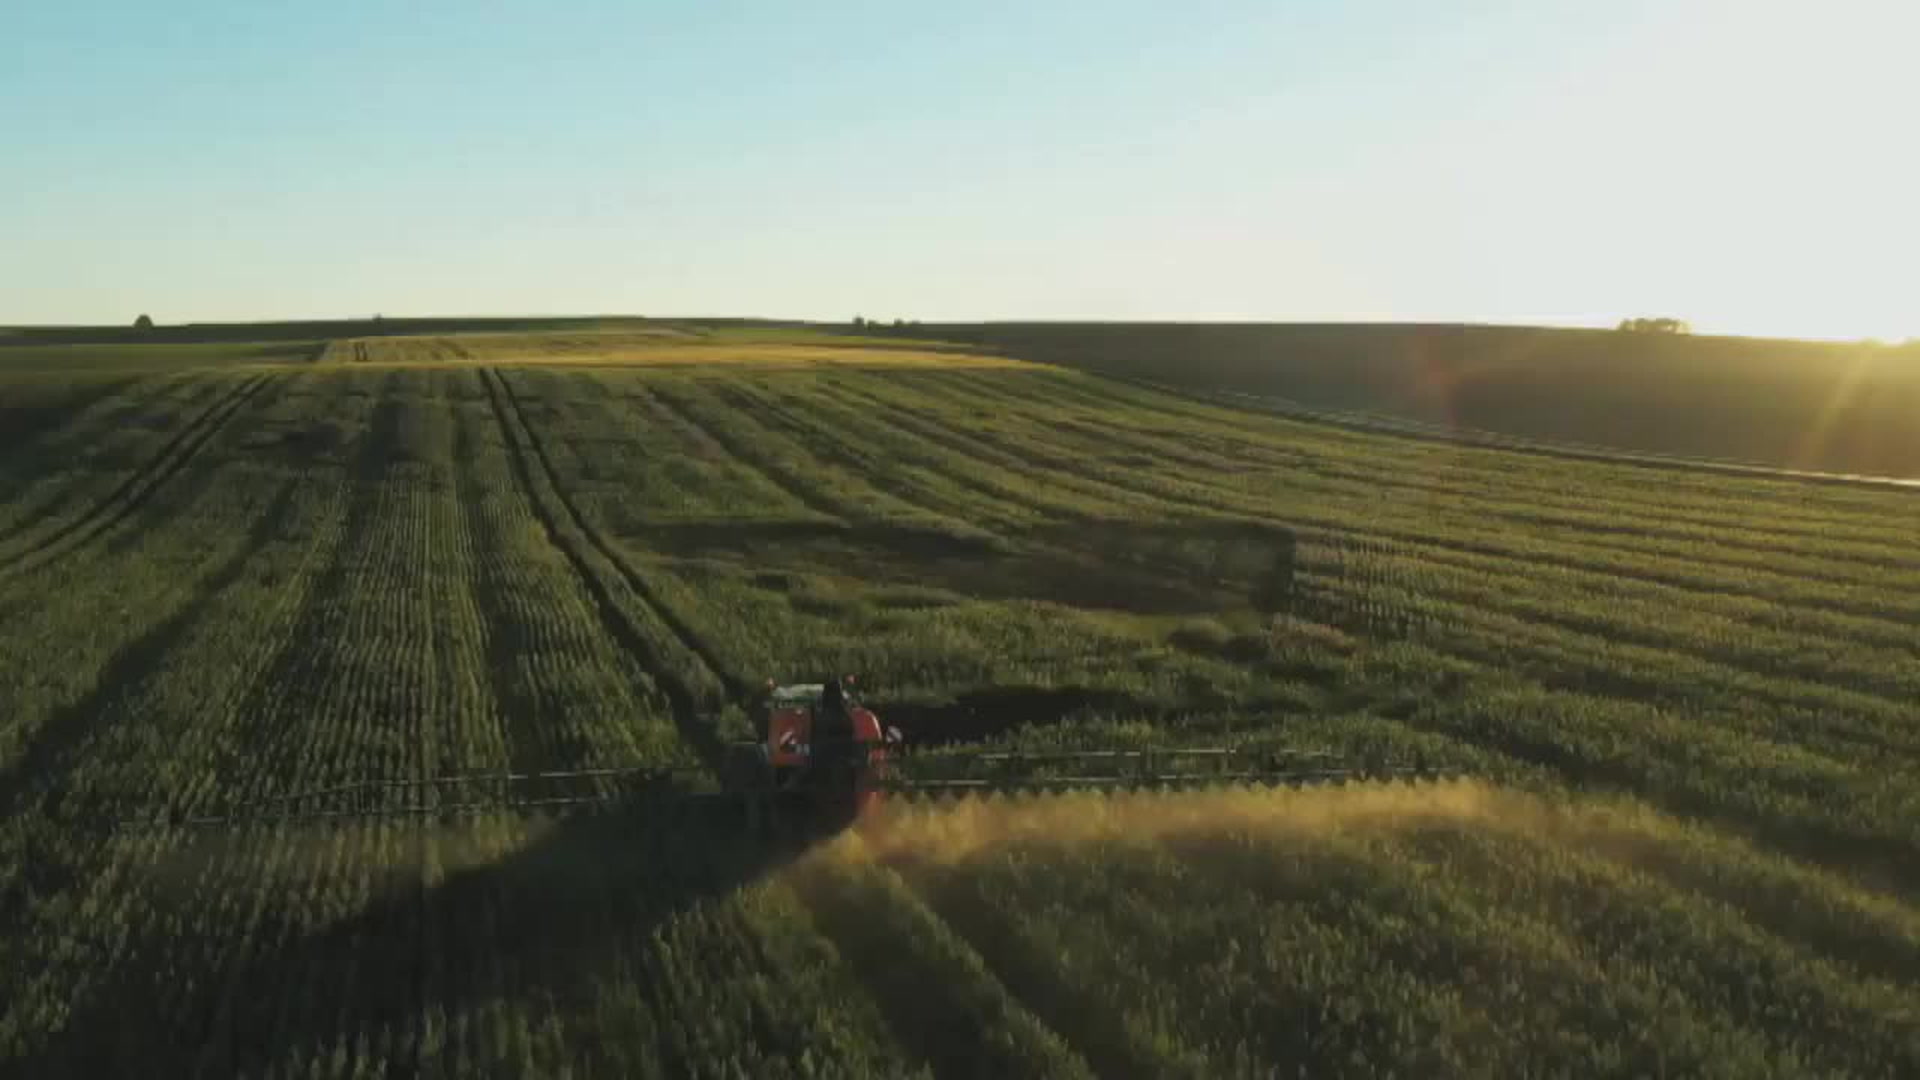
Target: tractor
x=818 y=753
x=819 y=760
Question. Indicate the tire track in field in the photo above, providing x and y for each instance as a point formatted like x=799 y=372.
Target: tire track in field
x=212 y=743
x=1855 y=695
x=830 y=446
x=988 y=456
x=139 y=488
x=61 y=740
x=682 y=696
x=862 y=468
x=1739 y=649
x=290 y=680
x=937 y=503
x=141 y=485
x=714 y=446
x=687 y=637
x=837 y=910
x=527 y=749
x=1875 y=863
x=76 y=430
x=1784 y=503
x=1418 y=430
x=920 y=496
x=1014 y=979
x=531 y=619
x=1464 y=557
x=36 y=430
x=1225 y=501
x=1639 y=520
x=1049 y=996
x=51 y=508
x=779 y=477
x=1727 y=556
x=1841 y=735
x=939 y=994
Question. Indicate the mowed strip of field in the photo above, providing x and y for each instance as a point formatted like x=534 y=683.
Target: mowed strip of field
x=397 y=571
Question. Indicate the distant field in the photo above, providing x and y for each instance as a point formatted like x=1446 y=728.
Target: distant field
x=312 y=330
x=1826 y=407
x=75 y=351
x=83 y=358
x=1692 y=847
x=660 y=347
x=30 y=407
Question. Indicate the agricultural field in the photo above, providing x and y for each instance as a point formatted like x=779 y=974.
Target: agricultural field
x=1687 y=840
x=1840 y=407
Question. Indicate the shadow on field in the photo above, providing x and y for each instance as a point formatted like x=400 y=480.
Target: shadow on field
x=299 y=443
x=54 y=748
x=543 y=926
x=1139 y=567
x=30 y=409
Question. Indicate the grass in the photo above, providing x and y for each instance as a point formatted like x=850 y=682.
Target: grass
x=1690 y=849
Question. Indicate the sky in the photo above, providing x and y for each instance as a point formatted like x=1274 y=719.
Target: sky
x=1752 y=166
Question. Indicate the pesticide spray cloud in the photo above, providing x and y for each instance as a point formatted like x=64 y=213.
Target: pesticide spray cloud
x=955 y=833
x=1617 y=831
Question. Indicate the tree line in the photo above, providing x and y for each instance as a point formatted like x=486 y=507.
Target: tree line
x=1655 y=326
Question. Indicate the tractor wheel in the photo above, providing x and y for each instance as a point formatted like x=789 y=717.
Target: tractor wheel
x=745 y=768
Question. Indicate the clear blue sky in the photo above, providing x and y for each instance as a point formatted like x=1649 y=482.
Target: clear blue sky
x=1749 y=165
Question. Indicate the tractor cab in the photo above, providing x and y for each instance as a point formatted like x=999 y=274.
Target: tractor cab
x=809 y=723
x=817 y=746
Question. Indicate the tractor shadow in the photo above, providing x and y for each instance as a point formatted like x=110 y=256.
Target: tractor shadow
x=550 y=922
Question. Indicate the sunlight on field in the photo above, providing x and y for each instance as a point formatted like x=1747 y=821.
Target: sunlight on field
x=1619 y=831
x=657 y=349
x=955 y=833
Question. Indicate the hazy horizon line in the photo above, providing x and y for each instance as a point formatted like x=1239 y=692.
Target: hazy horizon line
x=888 y=320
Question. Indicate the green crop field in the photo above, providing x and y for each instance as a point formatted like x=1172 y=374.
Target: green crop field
x=1689 y=843
x=1822 y=406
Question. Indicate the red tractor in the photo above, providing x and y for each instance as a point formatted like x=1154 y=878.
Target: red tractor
x=818 y=752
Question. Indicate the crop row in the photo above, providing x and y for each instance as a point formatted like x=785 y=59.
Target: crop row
x=403 y=572
x=1750 y=620
x=1575 y=621
x=293 y=623
x=1449 y=931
